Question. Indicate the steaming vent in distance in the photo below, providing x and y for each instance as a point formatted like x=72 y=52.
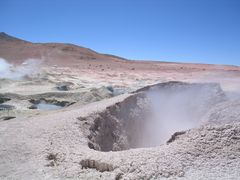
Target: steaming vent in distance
x=28 y=68
x=151 y=115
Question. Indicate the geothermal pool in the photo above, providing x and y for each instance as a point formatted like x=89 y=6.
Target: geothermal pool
x=46 y=106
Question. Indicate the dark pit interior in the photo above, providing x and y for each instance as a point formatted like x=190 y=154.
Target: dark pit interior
x=150 y=116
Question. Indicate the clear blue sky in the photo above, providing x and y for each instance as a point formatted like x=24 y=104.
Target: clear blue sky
x=206 y=31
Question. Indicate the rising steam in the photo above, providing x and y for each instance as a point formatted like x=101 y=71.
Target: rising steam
x=177 y=110
x=27 y=68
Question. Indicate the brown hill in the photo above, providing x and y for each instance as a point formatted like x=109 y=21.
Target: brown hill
x=17 y=50
x=63 y=54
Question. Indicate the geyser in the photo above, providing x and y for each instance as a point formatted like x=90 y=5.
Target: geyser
x=150 y=116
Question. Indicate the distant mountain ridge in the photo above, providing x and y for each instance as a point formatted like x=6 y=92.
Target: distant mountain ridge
x=16 y=50
x=7 y=37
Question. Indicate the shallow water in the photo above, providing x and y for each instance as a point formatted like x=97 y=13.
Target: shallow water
x=45 y=106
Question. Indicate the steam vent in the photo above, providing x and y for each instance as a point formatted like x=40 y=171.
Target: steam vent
x=151 y=115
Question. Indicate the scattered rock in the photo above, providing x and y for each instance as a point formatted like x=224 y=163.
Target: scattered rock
x=63 y=88
x=53 y=158
x=119 y=176
x=93 y=164
x=6 y=118
x=175 y=136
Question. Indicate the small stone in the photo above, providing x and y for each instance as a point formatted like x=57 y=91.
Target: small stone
x=102 y=167
x=181 y=174
x=119 y=176
x=91 y=163
x=231 y=156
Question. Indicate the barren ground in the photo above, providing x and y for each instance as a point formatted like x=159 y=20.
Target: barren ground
x=99 y=132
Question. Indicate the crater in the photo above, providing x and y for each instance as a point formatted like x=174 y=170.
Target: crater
x=64 y=86
x=48 y=104
x=151 y=116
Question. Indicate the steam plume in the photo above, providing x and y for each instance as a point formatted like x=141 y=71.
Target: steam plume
x=177 y=110
x=10 y=71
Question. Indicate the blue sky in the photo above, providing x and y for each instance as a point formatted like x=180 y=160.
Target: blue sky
x=204 y=31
